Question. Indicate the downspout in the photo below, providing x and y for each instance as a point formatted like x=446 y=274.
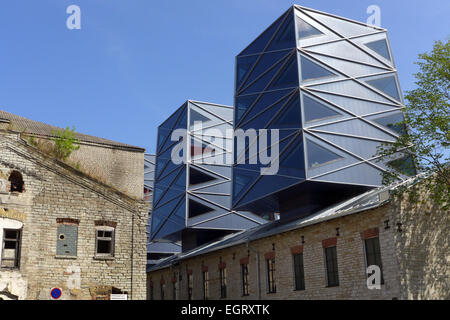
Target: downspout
x=132 y=255
x=258 y=263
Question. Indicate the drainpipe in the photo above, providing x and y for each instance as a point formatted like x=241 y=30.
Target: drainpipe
x=132 y=255
x=258 y=271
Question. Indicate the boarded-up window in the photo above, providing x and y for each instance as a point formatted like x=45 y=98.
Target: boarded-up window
x=66 y=241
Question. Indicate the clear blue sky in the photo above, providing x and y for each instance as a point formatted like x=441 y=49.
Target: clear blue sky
x=135 y=61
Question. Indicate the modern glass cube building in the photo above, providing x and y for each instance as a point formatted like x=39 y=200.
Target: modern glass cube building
x=192 y=197
x=329 y=85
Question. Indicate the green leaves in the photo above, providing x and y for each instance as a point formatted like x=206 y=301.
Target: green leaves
x=65 y=143
x=427 y=117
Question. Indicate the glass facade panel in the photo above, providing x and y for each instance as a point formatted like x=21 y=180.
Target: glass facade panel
x=305 y=30
x=387 y=85
x=311 y=70
x=266 y=61
x=393 y=122
x=288 y=77
x=261 y=42
x=318 y=155
x=380 y=47
x=198 y=177
x=261 y=83
x=197 y=117
x=266 y=100
x=285 y=37
x=314 y=110
x=243 y=103
x=290 y=116
x=244 y=64
x=197 y=208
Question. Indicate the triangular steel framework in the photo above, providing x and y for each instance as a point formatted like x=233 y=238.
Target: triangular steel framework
x=350 y=70
x=197 y=192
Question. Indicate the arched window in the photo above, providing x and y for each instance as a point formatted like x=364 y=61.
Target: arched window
x=17 y=184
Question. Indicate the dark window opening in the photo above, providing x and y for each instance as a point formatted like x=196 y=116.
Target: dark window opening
x=11 y=249
x=150 y=292
x=189 y=286
x=163 y=289
x=105 y=243
x=299 y=272
x=223 y=283
x=245 y=280
x=197 y=177
x=197 y=209
x=205 y=285
x=271 y=284
x=174 y=290
x=373 y=254
x=16 y=180
x=332 y=267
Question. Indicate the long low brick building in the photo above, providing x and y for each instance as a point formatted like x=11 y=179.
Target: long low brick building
x=322 y=256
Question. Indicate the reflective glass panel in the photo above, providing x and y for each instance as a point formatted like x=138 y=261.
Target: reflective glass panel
x=387 y=84
x=318 y=155
x=305 y=30
x=311 y=70
x=380 y=47
x=314 y=110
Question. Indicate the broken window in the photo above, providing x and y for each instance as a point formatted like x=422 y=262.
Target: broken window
x=16 y=180
x=104 y=243
x=11 y=248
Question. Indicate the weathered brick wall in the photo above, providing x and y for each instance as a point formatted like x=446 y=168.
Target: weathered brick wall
x=423 y=249
x=350 y=255
x=55 y=191
x=122 y=169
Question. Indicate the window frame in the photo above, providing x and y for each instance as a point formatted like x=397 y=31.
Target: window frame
x=245 y=281
x=271 y=276
x=366 y=257
x=205 y=277
x=162 y=291
x=223 y=282
x=190 y=285
x=18 y=246
x=112 y=239
x=303 y=287
x=335 y=267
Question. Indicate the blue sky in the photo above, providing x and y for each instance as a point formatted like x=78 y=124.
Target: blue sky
x=135 y=61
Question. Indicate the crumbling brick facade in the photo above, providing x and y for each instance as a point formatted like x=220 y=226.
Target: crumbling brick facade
x=56 y=195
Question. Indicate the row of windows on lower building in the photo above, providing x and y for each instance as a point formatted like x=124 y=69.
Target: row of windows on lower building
x=66 y=243
x=372 y=255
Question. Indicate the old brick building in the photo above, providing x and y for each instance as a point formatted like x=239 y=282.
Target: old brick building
x=322 y=256
x=79 y=228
